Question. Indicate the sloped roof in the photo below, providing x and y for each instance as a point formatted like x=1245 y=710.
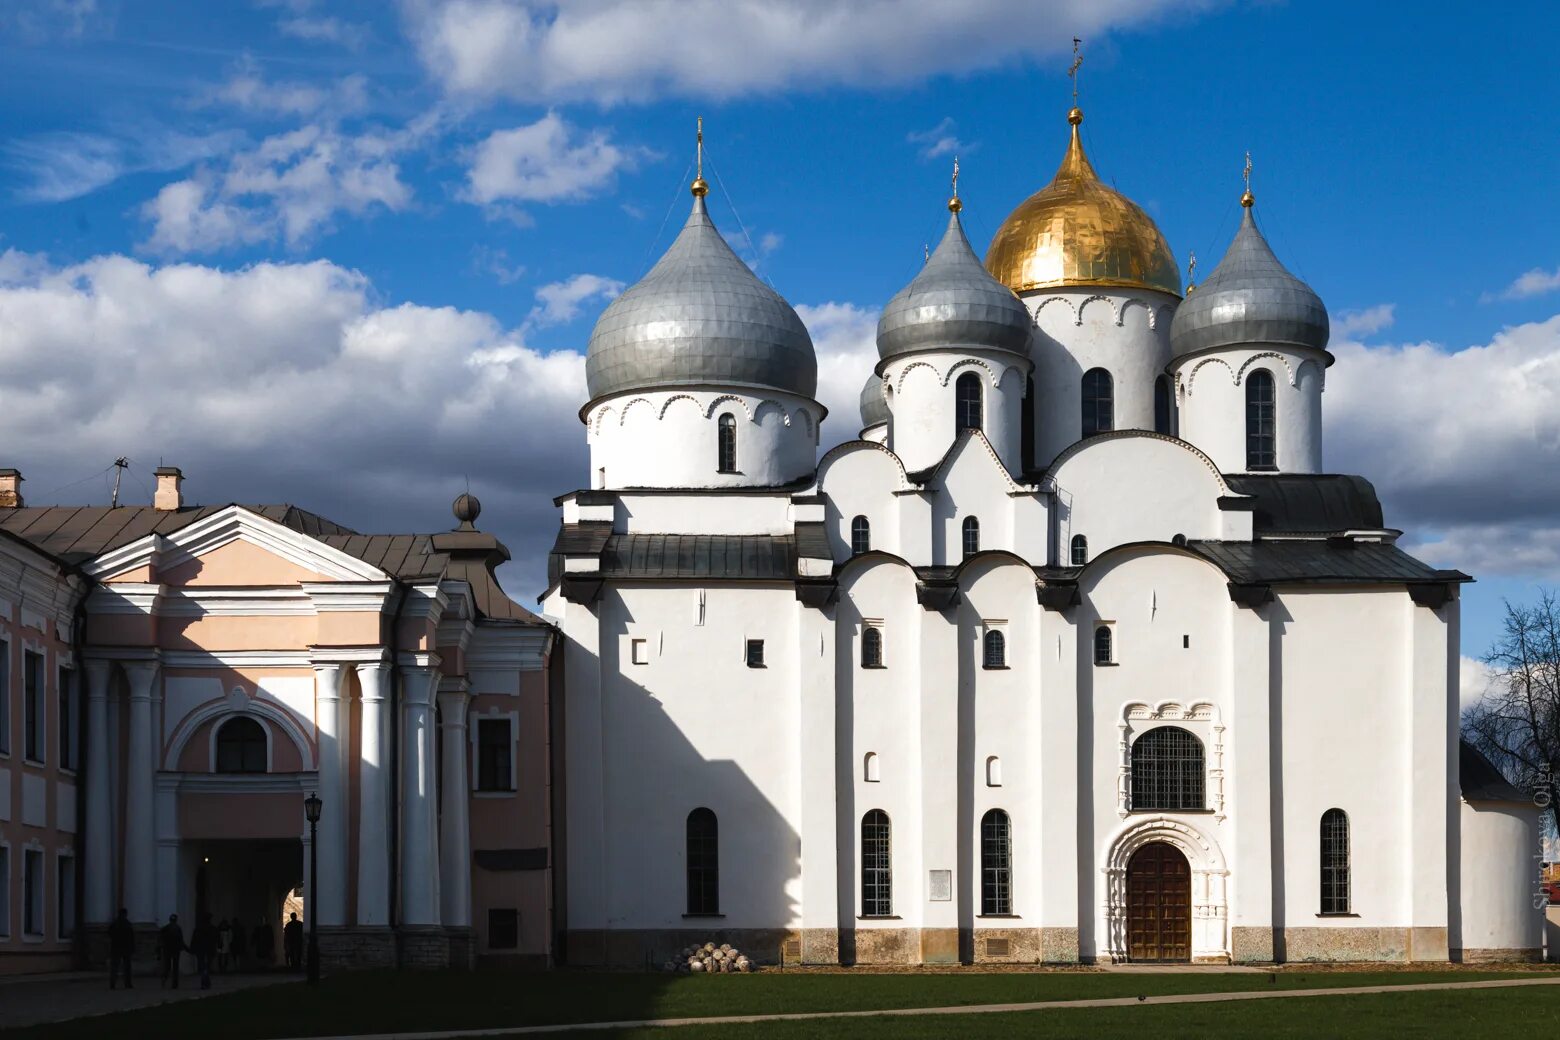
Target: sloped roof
x=1318 y=561
x=1308 y=503
x=1480 y=781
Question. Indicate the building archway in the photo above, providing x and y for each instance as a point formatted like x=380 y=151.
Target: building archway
x=1159 y=904
x=1206 y=873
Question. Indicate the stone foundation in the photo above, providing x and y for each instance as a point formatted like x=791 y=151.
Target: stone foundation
x=997 y=945
x=425 y=947
x=1346 y=944
x=882 y=946
x=349 y=949
x=1251 y=944
x=1516 y=956
x=650 y=948
x=1059 y=945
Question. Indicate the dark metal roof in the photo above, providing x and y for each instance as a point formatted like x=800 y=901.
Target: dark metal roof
x=1298 y=503
x=77 y=533
x=758 y=557
x=1318 y=561
x=1480 y=781
x=874 y=409
x=812 y=541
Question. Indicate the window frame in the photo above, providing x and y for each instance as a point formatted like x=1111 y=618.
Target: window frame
x=66 y=911
x=68 y=718
x=35 y=706
x=1261 y=422
x=5 y=697
x=1104 y=640
x=482 y=765
x=860 y=535
x=5 y=890
x=1336 y=873
x=753 y=653
x=244 y=748
x=969 y=536
x=514 y=915
x=872 y=639
x=33 y=904
x=701 y=848
x=994 y=636
x=1164 y=406
x=1095 y=406
x=1078 y=551
x=726 y=443
x=996 y=864
x=1170 y=777
x=877 y=865
x=968 y=394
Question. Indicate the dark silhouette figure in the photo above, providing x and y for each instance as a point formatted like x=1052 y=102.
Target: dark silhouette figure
x=121 y=947
x=263 y=942
x=292 y=943
x=170 y=944
x=203 y=944
x=224 y=945
x=236 y=946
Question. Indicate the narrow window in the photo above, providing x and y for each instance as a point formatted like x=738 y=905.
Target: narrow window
x=32 y=892
x=5 y=886
x=241 y=746
x=996 y=864
x=755 y=653
x=495 y=755
x=966 y=391
x=1080 y=550
x=33 y=720
x=5 y=700
x=860 y=536
x=993 y=771
x=1104 y=652
x=1167 y=770
x=65 y=895
x=503 y=928
x=877 y=875
x=639 y=651
x=869 y=768
x=1026 y=428
x=728 y=443
x=1261 y=435
x=1163 y=415
x=66 y=692
x=1099 y=414
x=872 y=647
x=971 y=536
x=994 y=650
x=703 y=863
x=1335 y=862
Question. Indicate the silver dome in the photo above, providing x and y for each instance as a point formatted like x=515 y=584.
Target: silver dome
x=700 y=318
x=1249 y=299
x=953 y=303
x=874 y=410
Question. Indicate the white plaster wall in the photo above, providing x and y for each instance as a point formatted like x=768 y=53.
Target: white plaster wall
x=876 y=434
x=1499 y=879
x=972 y=484
x=669 y=438
x=1124 y=331
x=1211 y=392
x=860 y=480
x=693 y=513
x=921 y=389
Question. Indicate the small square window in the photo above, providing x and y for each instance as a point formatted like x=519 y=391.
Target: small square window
x=755 y=653
x=639 y=651
x=503 y=928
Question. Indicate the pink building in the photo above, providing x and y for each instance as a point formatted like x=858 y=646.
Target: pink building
x=235 y=659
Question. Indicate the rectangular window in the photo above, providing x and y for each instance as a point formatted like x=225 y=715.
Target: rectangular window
x=5 y=891
x=495 y=768
x=68 y=724
x=33 y=720
x=5 y=699
x=32 y=892
x=755 y=653
x=639 y=651
x=503 y=928
x=65 y=894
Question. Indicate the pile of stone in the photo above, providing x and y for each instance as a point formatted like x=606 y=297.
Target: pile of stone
x=710 y=959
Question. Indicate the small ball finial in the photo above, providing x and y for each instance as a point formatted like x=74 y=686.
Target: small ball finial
x=1075 y=116
x=1248 y=199
x=467 y=508
x=954 y=205
x=700 y=187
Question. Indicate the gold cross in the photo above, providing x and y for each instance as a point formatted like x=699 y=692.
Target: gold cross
x=1247 y=171
x=955 y=176
x=1072 y=73
x=700 y=174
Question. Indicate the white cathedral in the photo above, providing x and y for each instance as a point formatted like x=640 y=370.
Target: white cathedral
x=1077 y=654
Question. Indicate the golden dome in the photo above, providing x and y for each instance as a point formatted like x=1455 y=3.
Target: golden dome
x=1078 y=231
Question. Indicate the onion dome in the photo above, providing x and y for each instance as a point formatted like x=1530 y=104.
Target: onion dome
x=700 y=318
x=1249 y=299
x=874 y=409
x=953 y=304
x=1078 y=231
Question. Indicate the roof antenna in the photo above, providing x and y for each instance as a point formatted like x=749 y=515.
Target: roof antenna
x=120 y=464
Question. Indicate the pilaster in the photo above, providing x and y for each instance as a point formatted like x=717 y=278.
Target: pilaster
x=419 y=837
x=332 y=849
x=455 y=801
x=140 y=812
x=1252 y=707
x=375 y=786
x=98 y=886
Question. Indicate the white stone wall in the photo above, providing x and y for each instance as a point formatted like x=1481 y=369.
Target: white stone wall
x=920 y=391
x=1499 y=878
x=1211 y=392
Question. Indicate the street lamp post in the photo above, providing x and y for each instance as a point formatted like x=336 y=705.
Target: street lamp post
x=311 y=809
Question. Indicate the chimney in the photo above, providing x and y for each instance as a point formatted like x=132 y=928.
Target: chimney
x=169 y=482
x=10 y=489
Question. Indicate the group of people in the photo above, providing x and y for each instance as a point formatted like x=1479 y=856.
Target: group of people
x=222 y=945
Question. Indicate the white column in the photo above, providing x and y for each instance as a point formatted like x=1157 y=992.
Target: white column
x=374 y=787
x=1061 y=930
x=819 y=772
x=455 y=841
x=1432 y=775
x=332 y=894
x=419 y=817
x=140 y=819
x=99 y=845
x=941 y=690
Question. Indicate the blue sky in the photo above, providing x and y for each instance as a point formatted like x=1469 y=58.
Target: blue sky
x=344 y=253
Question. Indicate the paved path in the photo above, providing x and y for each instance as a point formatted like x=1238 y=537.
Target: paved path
x=39 y=999
x=968 y=1009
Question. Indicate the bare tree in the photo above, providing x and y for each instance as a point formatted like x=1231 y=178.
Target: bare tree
x=1516 y=724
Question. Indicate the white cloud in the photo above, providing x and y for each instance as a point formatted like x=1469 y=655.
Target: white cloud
x=545 y=161
x=1474 y=679
x=314 y=29
x=938 y=141
x=247 y=89
x=43 y=21
x=561 y=301
x=845 y=339
x=63 y=165
x=632 y=50
x=1537 y=282
x=1363 y=322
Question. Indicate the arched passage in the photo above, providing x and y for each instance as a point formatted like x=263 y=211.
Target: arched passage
x=1207 y=908
x=1159 y=904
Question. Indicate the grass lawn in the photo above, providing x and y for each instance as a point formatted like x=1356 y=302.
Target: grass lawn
x=398 y=1002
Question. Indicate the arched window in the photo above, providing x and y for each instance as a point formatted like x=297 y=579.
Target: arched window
x=1261 y=432
x=1164 y=416
x=872 y=647
x=1104 y=652
x=728 y=443
x=1335 y=862
x=1099 y=415
x=877 y=874
x=241 y=746
x=993 y=771
x=869 y=768
x=1167 y=770
x=1080 y=550
x=995 y=649
x=860 y=536
x=1026 y=428
x=703 y=863
x=966 y=399
x=971 y=536
x=996 y=864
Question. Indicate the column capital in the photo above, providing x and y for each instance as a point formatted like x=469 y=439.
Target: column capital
x=99 y=671
x=453 y=702
x=420 y=686
x=328 y=676
x=414 y=660
x=371 y=679
x=353 y=655
x=142 y=676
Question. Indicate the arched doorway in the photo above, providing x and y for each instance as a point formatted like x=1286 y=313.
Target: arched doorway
x=1159 y=904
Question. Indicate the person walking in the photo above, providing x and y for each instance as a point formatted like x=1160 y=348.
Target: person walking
x=292 y=943
x=121 y=948
x=236 y=946
x=170 y=946
x=224 y=943
x=203 y=944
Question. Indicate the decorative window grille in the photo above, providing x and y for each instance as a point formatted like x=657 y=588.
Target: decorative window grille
x=1261 y=431
x=241 y=746
x=495 y=755
x=1167 y=770
x=877 y=876
x=967 y=403
x=1098 y=402
x=860 y=536
x=872 y=647
x=994 y=649
x=1104 y=652
x=1335 y=862
x=1080 y=550
x=971 y=536
x=728 y=443
x=703 y=863
x=996 y=863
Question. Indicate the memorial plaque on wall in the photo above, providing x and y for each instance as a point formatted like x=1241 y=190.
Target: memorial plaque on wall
x=940 y=883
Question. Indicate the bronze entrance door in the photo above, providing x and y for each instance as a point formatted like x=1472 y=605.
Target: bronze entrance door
x=1159 y=904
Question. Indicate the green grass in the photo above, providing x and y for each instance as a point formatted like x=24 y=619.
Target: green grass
x=395 y=1002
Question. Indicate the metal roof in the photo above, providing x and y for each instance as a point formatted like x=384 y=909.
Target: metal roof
x=700 y=318
x=874 y=409
x=756 y=557
x=1295 y=503
x=1318 y=561
x=77 y=533
x=1480 y=781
